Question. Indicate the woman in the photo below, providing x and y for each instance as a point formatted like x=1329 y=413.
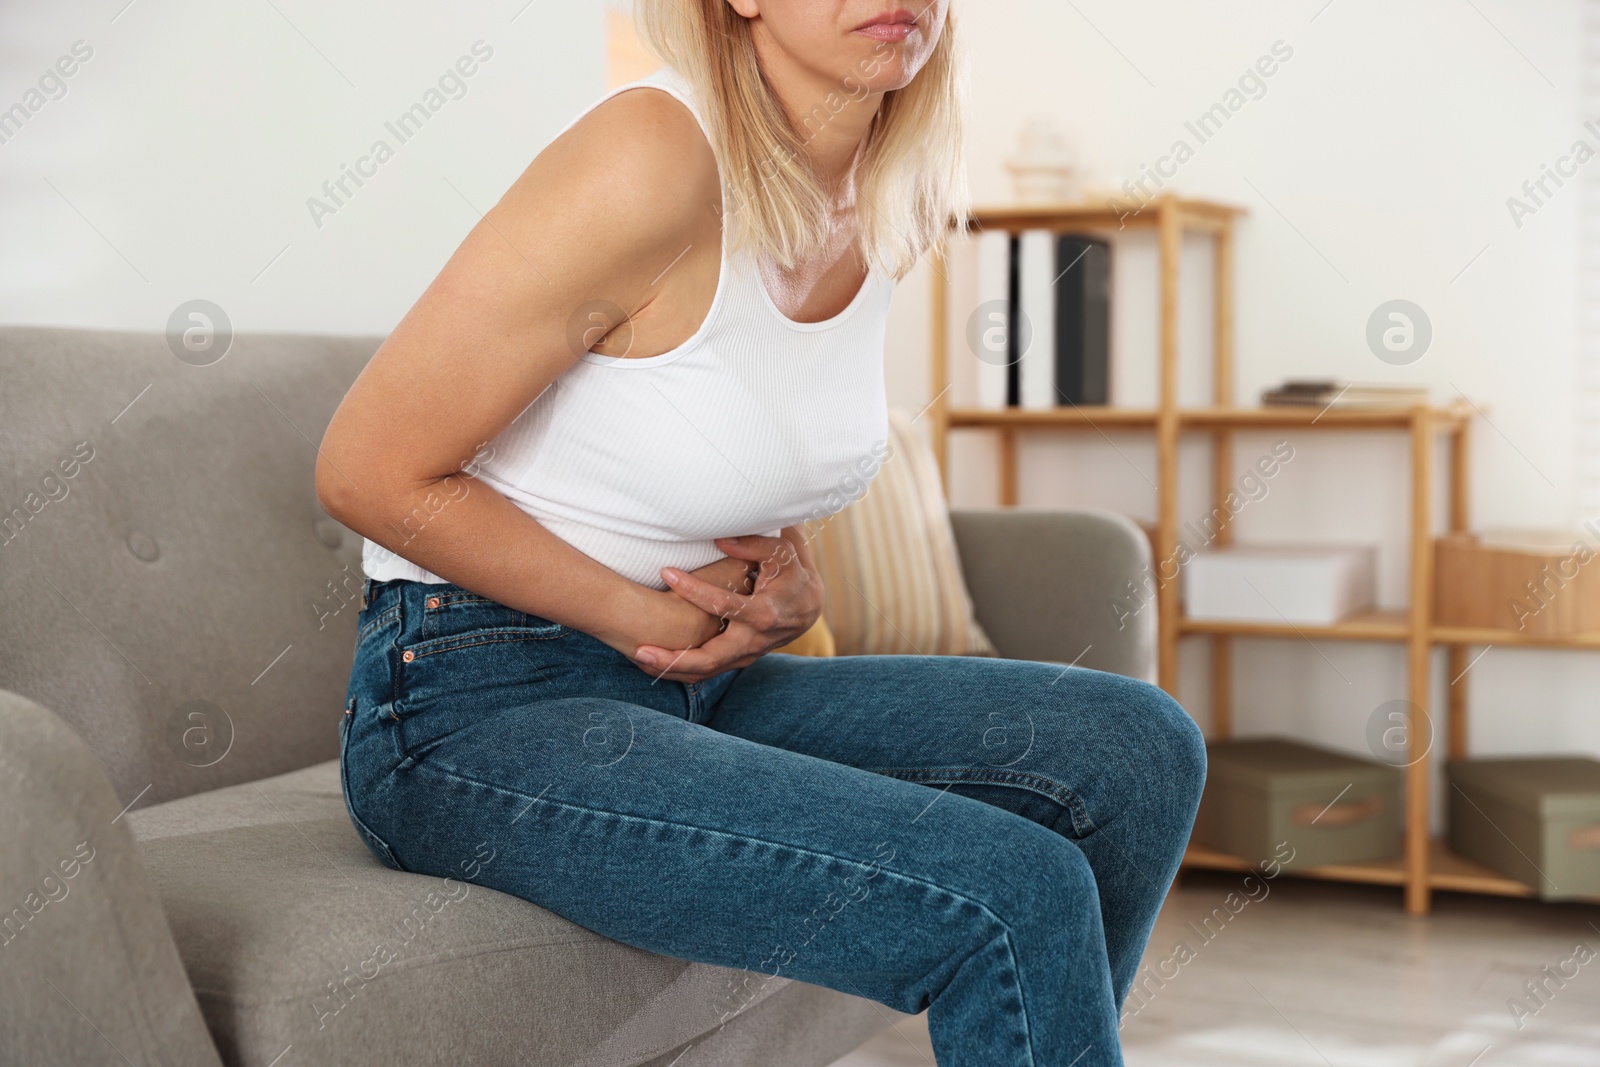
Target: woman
x=581 y=461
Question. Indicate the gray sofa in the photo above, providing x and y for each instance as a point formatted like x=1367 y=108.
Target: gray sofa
x=179 y=880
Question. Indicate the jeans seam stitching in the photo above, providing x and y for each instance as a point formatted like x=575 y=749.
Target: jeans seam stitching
x=392 y=654
x=448 y=772
x=499 y=638
x=446 y=599
x=373 y=624
x=1038 y=783
x=366 y=830
x=1021 y=995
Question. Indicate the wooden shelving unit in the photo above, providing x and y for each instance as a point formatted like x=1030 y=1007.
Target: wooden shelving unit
x=1372 y=626
x=1425 y=865
x=1462 y=636
x=1446 y=871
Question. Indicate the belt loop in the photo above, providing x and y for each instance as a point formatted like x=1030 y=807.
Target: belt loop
x=366 y=592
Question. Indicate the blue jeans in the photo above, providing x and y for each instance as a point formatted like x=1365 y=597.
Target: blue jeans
x=986 y=839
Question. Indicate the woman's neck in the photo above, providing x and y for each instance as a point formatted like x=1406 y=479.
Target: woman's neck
x=809 y=99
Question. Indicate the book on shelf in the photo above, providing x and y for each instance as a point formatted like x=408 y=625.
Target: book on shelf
x=1045 y=336
x=1329 y=392
x=994 y=279
x=1083 y=320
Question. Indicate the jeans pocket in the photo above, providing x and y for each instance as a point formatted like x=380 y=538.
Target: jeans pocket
x=447 y=614
x=467 y=655
x=371 y=619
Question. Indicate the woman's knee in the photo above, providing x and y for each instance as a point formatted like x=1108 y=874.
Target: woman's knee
x=1150 y=740
x=1174 y=750
x=1046 y=887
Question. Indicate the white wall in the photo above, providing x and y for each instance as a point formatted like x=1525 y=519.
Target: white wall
x=1387 y=146
x=180 y=159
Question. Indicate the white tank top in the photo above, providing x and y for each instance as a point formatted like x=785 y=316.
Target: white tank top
x=755 y=423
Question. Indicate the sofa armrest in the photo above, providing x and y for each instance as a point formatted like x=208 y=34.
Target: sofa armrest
x=89 y=972
x=1062 y=586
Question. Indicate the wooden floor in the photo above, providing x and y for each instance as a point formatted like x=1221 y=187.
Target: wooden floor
x=1328 y=975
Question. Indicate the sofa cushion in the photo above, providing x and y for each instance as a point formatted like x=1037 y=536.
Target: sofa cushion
x=295 y=936
x=190 y=610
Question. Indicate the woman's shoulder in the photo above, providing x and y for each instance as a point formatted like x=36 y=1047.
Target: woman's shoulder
x=622 y=192
x=644 y=148
x=669 y=88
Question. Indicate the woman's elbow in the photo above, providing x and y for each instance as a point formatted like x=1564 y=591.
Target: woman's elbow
x=338 y=494
x=364 y=497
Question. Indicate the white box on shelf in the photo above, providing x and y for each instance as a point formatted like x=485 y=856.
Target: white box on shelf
x=1038 y=293
x=1312 y=585
x=994 y=287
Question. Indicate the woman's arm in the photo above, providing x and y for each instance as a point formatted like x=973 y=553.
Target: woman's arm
x=599 y=215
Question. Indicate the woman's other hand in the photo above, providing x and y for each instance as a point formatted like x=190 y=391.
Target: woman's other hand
x=785 y=602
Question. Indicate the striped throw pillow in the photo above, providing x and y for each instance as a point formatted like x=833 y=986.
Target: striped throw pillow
x=889 y=566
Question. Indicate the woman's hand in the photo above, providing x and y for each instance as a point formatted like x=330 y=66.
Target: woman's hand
x=676 y=623
x=785 y=602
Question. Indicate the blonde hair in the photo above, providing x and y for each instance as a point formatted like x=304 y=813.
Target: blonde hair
x=910 y=178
